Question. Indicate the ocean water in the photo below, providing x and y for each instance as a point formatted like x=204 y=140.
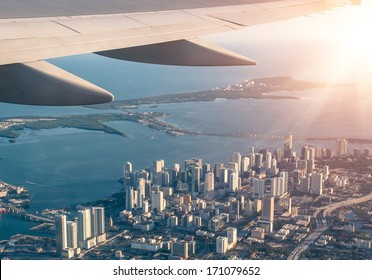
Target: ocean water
x=62 y=167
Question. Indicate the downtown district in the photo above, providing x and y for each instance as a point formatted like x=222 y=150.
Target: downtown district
x=260 y=205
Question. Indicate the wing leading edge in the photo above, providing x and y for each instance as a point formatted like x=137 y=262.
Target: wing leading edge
x=162 y=37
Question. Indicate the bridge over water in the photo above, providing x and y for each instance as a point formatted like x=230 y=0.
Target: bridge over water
x=21 y=212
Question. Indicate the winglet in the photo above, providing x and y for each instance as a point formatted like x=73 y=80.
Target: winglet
x=193 y=52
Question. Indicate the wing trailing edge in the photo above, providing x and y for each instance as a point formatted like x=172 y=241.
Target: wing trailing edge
x=194 y=52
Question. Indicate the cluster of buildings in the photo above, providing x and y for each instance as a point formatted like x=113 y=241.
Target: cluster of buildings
x=202 y=200
x=85 y=232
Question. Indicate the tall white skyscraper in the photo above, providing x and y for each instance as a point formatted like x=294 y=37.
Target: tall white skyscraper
x=284 y=175
x=234 y=181
x=341 y=147
x=221 y=244
x=72 y=235
x=245 y=164
x=157 y=201
x=209 y=183
x=61 y=233
x=84 y=227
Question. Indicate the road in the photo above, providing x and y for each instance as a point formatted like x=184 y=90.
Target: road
x=321 y=224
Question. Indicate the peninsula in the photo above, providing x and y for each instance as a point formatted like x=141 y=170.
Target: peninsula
x=255 y=88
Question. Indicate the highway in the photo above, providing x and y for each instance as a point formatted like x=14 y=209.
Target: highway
x=321 y=224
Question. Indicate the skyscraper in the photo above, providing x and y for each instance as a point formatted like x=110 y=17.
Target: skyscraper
x=98 y=220
x=341 y=149
x=232 y=235
x=209 y=183
x=195 y=179
x=61 y=233
x=84 y=227
x=237 y=158
x=287 y=146
x=72 y=235
x=258 y=188
x=221 y=244
x=180 y=249
x=268 y=208
x=157 y=201
x=316 y=184
x=234 y=181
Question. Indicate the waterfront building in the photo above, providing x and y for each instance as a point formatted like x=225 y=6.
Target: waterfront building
x=72 y=235
x=98 y=221
x=61 y=233
x=84 y=228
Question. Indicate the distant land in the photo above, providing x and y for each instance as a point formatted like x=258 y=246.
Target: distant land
x=255 y=88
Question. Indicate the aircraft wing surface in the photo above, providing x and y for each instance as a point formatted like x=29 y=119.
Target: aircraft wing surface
x=162 y=32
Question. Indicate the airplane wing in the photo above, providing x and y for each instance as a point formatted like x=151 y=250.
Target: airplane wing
x=151 y=31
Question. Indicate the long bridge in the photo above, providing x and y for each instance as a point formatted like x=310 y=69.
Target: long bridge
x=21 y=212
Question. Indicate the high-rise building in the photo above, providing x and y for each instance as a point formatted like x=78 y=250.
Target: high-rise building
x=316 y=184
x=268 y=209
x=156 y=171
x=341 y=149
x=245 y=164
x=180 y=249
x=61 y=233
x=72 y=235
x=221 y=244
x=217 y=169
x=232 y=235
x=288 y=146
x=84 y=227
x=284 y=175
x=209 y=183
x=157 y=201
x=234 y=209
x=234 y=181
x=195 y=179
x=206 y=169
x=237 y=158
x=129 y=198
x=305 y=184
x=258 y=188
x=98 y=220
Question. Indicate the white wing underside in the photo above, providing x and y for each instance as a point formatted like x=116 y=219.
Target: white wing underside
x=164 y=37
